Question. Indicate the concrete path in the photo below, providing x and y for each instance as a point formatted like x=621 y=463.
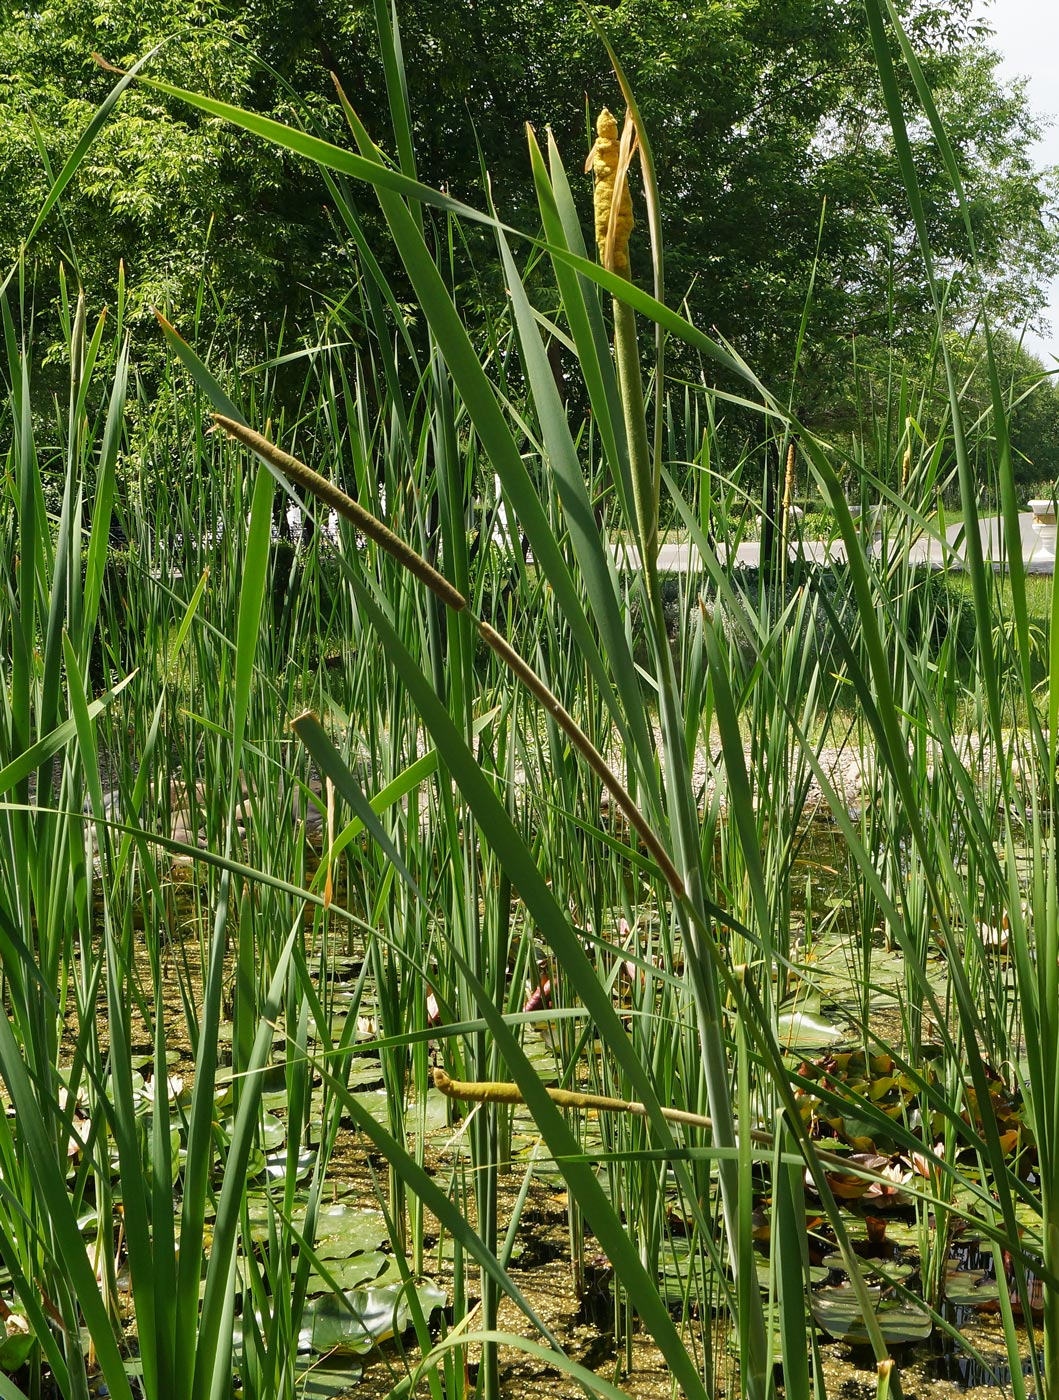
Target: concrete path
x=1037 y=544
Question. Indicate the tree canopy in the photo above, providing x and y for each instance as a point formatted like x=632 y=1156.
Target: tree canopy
x=768 y=127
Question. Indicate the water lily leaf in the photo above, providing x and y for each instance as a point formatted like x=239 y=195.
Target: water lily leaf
x=436 y=1111
x=798 y=1030
x=540 y=1051
x=342 y=1231
x=817 y=1274
x=136 y=1080
x=336 y=1376
x=377 y=1103
x=971 y=1288
x=1027 y=1215
x=860 y=1131
x=344 y=967
x=224 y=1089
x=15 y=1350
x=838 y=1312
x=893 y=1269
x=273 y=1131
x=88 y=1224
x=274 y=1076
x=333 y=1030
x=902 y=1234
x=362 y=1318
x=365 y=1071
x=146 y=1061
x=879 y=1088
x=256 y=1163
x=351 y=1273
x=275 y=1165
x=260 y=1226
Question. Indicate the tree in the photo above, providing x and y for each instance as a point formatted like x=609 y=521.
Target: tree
x=765 y=116
x=180 y=199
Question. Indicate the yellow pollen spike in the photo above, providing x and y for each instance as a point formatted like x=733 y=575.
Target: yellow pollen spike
x=613 y=227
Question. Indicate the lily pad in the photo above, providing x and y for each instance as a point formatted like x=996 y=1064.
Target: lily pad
x=342 y=1231
x=436 y=1110
x=377 y=1103
x=16 y=1349
x=798 y=1030
x=837 y=1311
x=88 y=1224
x=365 y=1070
x=272 y=1131
x=351 y=1273
x=276 y=1163
x=817 y=1274
x=893 y=1269
x=146 y=1062
x=681 y=1267
x=971 y=1288
x=362 y=1318
x=332 y=1377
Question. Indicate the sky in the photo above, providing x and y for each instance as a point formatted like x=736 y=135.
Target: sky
x=1027 y=36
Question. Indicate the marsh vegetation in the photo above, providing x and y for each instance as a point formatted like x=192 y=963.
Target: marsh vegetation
x=402 y=904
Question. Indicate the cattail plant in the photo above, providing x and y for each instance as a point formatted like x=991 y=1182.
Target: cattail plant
x=610 y=160
x=494 y=726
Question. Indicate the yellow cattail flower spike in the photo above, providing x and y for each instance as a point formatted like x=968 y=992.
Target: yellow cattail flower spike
x=613 y=227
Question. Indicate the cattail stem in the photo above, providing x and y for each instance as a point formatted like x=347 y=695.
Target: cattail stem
x=490 y=1091
x=505 y=1092
x=417 y=566
x=785 y=513
x=337 y=500
x=630 y=385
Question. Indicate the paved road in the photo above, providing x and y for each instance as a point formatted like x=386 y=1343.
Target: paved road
x=1037 y=544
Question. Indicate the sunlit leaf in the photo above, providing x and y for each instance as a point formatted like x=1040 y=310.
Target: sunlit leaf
x=364 y=1317
x=837 y=1311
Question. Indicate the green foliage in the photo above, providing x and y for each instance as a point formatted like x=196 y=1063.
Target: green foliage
x=181 y=200
x=673 y=945
x=1033 y=420
x=938 y=609
x=114 y=651
x=763 y=119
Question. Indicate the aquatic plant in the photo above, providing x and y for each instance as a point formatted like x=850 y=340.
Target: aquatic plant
x=572 y=877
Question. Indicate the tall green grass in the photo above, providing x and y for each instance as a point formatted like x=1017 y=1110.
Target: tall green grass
x=535 y=778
